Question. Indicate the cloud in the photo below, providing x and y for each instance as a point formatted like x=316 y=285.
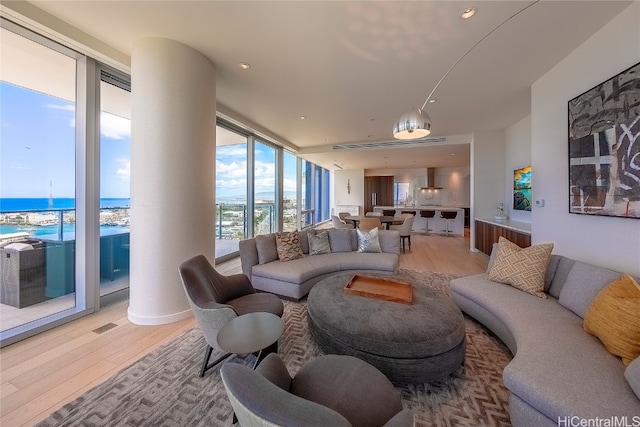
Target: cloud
x=65 y=107
x=233 y=170
x=71 y=108
x=124 y=171
x=114 y=127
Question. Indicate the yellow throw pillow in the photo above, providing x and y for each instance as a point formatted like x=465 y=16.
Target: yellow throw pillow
x=522 y=268
x=614 y=317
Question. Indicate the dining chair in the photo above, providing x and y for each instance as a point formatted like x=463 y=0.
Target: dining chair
x=337 y=223
x=405 y=230
x=373 y=214
x=368 y=223
x=343 y=216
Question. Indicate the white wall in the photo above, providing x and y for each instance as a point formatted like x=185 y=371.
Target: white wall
x=343 y=197
x=517 y=155
x=456 y=186
x=606 y=241
x=488 y=172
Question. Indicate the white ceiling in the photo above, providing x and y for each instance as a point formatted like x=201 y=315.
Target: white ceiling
x=353 y=67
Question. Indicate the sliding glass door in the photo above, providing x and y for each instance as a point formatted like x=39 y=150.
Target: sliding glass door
x=231 y=191
x=115 y=166
x=37 y=181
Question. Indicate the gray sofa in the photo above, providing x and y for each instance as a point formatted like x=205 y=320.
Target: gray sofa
x=559 y=371
x=294 y=279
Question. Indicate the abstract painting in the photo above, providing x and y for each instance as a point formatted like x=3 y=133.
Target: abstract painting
x=522 y=189
x=604 y=148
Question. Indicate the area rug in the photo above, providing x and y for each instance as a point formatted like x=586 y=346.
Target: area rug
x=164 y=389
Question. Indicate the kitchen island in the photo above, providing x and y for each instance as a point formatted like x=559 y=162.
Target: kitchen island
x=437 y=224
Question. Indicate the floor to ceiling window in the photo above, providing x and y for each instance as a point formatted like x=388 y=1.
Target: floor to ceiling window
x=115 y=166
x=37 y=181
x=264 y=184
x=289 y=193
x=231 y=191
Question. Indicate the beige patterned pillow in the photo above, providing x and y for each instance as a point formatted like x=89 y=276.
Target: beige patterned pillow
x=522 y=268
x=288 y=246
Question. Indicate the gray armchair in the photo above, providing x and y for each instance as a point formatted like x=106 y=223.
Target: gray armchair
x=215 y=299
x=331 y=390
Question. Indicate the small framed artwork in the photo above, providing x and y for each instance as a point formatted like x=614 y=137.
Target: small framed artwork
x=604 y=148
x=522 y=189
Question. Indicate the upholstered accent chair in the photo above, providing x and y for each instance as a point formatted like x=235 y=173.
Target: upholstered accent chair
x=375 y=213
x=215 y=299
x=343 y=216
x=331 y=390
x=405 y=230
x=338 y=223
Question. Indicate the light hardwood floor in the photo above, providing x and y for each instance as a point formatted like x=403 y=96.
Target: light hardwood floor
x=42 y=373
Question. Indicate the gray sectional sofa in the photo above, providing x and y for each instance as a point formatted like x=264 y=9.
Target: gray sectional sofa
x=559 y=371
x=294 y=279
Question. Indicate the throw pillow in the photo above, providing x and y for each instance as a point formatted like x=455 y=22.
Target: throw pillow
x=632 y=374
x=319 y=243
x=288 y=245
x=368 y=241
x=522 y=268
x=614 y=317
x=340 y=239
x=266 y=246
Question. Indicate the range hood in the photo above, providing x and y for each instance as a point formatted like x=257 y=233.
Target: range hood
x=431 y=180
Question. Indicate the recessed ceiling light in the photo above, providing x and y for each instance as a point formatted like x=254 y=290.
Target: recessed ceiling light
x=468 y=13
x=244 y=65
x=433 y=101
x=303 y=117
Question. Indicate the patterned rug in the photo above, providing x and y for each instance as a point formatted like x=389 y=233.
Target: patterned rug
x=163 y=388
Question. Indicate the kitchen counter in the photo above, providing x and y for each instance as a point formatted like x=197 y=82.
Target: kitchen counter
x=437 y=224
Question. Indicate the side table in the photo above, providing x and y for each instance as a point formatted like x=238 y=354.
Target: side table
x=250 y=333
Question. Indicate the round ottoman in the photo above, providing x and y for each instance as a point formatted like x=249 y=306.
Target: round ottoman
x=409 y=343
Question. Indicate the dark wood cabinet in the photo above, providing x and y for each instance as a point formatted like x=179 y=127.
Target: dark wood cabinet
x=378 y=191
x=488 y=233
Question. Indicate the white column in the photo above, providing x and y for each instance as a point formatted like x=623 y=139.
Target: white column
x=172 y=174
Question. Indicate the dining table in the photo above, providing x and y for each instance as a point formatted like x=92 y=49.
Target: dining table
x=386 y=220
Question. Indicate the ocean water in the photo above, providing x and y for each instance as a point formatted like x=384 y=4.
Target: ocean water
x=44 y=203
x=15 y=205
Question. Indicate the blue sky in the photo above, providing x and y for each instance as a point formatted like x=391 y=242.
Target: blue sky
x=37 y=150
x=37 y=147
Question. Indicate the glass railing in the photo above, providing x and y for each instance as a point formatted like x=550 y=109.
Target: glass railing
x=54 y=231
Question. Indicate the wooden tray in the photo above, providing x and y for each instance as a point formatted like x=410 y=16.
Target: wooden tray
x=380 y=288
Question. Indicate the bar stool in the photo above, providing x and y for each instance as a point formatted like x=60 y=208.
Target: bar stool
x=448 y=216
x=389 y=212
x=408 y=212
x=427 y=214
